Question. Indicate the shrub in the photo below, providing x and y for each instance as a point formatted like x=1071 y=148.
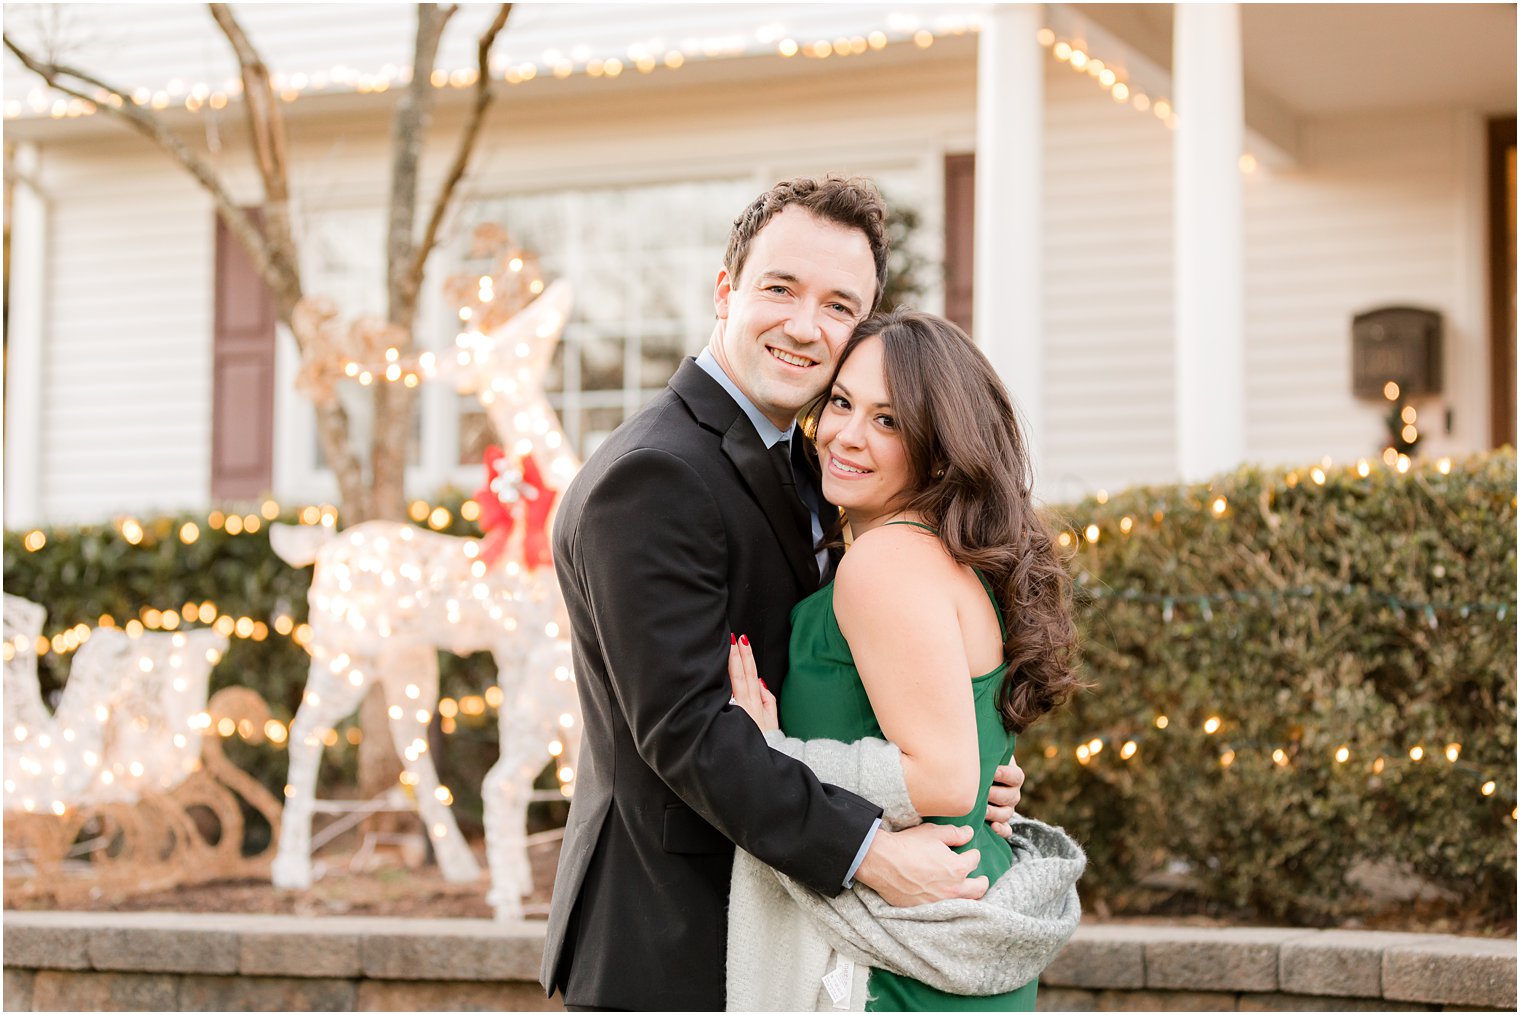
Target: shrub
x=1307 y=613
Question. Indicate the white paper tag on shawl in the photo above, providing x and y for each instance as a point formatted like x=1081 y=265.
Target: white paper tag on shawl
x=837 y=982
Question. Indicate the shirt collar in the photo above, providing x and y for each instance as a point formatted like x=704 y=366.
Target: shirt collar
x=768 y=431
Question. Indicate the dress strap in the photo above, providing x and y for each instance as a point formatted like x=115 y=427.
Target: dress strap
x=986 y=585
x=1002 y=627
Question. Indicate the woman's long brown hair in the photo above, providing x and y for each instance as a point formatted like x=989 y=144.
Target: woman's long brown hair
x=971 y=481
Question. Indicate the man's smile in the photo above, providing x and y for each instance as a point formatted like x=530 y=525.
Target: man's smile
x=790 y=358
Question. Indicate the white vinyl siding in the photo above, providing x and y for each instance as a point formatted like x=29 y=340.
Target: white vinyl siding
x=127 y=337
x=1371 y=219
x=1108 y=291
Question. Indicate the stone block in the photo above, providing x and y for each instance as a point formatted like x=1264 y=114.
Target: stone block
x=266 y=993
x=57 y=990
x=432 y=995
x=164 y=949
x=310 y=951
x=1100 y=956
x=1464 y=971
x=1216 y=958
x=1338 y=963
x=18 y=989
x=1062 y=999
x=453 y=950
x=1165 y=1000
x=45 y=946
x=1306 y=1002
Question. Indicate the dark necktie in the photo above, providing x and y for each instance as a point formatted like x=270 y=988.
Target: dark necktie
x=781 y=457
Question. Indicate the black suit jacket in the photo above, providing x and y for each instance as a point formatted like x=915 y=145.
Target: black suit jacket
x=676 y=533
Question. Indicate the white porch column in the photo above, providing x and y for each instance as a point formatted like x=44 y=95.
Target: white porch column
x=1209 y=292
x=24 y=374
x=1006 y=306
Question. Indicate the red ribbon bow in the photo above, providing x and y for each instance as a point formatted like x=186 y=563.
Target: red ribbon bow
x=504 y=497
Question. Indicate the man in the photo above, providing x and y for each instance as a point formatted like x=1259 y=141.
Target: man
x=683 y=530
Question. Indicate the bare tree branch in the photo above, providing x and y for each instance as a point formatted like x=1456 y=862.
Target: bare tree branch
x=483 y=96
x=394 y=403
x=272 y=246
x=281 y=276
x=285 y=284
x=266 y=127
x=407 y=129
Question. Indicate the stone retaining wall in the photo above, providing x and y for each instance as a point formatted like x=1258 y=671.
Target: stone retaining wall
x=194 y=961
x=1129 y=967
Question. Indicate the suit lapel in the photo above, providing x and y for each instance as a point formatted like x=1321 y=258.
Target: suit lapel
x=743 y=447
x=717 y=411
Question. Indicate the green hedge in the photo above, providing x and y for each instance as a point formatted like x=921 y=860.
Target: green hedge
x=1308 y=612
x=1372 y=613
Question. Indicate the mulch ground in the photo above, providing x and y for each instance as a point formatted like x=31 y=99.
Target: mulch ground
x=398 y=887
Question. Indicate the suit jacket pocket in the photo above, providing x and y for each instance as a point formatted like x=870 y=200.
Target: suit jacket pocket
x=686 y=832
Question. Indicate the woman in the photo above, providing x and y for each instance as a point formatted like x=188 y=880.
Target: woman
x=947 y=628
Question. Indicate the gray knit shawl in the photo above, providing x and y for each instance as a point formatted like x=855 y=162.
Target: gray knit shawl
x=784 y=938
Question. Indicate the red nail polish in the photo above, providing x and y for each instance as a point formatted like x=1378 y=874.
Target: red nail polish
x=744 y=640
x=731 y=639
x=763 y=683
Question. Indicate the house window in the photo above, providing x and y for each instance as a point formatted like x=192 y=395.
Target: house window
x=642 y=261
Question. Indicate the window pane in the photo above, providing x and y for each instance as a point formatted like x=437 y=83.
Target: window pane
x=642 y=261
x=601 y=362
x=554 y=376
x=475 y=434
x=660 y=355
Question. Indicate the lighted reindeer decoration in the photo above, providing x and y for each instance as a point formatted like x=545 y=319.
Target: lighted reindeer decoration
x=386 y=596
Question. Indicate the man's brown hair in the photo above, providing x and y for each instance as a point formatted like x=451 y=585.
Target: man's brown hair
x=852 y=202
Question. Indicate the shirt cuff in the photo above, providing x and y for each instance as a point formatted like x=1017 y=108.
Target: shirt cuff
x=865 y=847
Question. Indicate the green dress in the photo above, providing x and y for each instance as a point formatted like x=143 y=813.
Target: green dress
x=825 y=699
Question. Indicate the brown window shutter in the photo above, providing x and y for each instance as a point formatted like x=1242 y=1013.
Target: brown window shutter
x=242 y=391
x=960 y=240
x=1501 y=257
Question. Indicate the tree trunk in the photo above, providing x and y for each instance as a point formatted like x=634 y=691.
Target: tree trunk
x=380 y=765
x=394 y=404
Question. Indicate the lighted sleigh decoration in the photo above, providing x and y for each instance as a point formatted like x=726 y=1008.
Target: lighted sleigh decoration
x=125 y=787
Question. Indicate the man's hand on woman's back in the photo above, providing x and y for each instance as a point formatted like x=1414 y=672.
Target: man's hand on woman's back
x=917 y=865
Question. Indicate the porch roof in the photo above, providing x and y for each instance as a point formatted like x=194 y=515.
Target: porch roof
x=1301 y=60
